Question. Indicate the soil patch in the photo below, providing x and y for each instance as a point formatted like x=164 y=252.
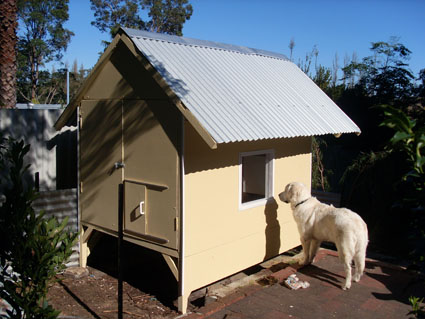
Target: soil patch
x=96 y=296
x=149 y=288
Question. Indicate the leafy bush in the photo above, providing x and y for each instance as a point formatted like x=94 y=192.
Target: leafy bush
x=410 y=140
x=33 y=249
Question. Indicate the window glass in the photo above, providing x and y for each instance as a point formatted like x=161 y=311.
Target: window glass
x=253 y=177
x=256 y=178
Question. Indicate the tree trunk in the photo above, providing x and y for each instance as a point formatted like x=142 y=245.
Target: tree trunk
x=8 y=39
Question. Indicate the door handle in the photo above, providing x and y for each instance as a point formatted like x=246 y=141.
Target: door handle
x=142 y=207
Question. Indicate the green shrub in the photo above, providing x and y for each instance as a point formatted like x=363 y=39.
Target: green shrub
x=33 y=249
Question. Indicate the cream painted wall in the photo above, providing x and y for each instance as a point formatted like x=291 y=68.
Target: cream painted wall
x=220 y=239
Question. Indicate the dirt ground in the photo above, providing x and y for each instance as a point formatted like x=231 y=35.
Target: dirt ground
x=149 y=288
x=96 y=296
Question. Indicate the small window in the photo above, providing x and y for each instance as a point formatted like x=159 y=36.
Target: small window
x=256 y=178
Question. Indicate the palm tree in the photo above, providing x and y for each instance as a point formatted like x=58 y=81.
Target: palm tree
x=8 y=39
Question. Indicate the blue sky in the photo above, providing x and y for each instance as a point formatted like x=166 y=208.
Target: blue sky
x=334 y=26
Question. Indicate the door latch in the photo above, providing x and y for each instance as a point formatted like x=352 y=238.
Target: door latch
x=118 y=165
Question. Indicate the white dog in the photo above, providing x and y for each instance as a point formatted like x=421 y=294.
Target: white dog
x=319 y=222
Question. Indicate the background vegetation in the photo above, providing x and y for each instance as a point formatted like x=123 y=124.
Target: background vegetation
x=380 y=174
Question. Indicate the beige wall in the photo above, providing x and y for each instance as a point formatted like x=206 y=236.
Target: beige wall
x=220 y=239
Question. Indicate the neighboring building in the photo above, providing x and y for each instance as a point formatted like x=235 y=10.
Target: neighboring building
x=203 y=136
x=52 y=155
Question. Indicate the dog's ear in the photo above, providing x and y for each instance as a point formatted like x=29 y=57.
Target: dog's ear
x=295 y=192
x=288 y=187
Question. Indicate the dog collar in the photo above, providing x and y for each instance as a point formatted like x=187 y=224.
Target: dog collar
x=302 y=202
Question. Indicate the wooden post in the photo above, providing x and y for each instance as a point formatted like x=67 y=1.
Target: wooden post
x=120 y=239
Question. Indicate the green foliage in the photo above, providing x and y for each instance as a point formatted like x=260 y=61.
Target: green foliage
x=111 y=14
x=358 y=174
x=323 y=78
x=385 y=76
x=33 y=249
x=410 y=140
x=417 y=309
x=51 y=87
x=42 y=38
x=319 y=178
x=165 y=16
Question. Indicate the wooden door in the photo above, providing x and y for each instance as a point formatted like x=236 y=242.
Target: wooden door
x=100 y=149
x=152 y=134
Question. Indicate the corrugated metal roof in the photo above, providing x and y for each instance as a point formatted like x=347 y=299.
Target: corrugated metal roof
x=242 y=94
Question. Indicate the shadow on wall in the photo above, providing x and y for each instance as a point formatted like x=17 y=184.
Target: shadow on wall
x=199 y=157
x=272 y=231
x=66 y=158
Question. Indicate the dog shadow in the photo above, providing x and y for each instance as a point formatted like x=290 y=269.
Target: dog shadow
x=272 y=231
x=322 y=275
x=399 y=283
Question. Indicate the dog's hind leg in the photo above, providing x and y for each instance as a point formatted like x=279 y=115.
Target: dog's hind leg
x=359 y=262
x=346 y=256
x=346 y=260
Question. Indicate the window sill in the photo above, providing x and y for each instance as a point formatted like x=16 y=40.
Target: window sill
x=254 y=203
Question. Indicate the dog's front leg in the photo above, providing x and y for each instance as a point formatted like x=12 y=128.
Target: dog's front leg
x=306 y=251
x=314 y=247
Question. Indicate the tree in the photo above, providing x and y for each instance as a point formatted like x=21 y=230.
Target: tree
x=291 y=47
x=8 y=40
x=166 y=16
x=421 y=89
x=323 y=78
x=44 y=38
x=33 y=249
x=305 y=65
x=385 y=76
x=335 y=68
x=111 y=14
x=51 y=88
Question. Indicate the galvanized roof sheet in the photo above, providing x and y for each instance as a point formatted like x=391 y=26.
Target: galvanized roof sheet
x=239 y=93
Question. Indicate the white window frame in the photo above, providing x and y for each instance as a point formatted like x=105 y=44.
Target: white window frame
x=269 y=187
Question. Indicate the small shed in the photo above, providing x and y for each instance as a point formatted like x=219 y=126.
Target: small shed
x=202 y=136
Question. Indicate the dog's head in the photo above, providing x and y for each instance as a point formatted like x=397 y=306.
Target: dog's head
x=294 y=193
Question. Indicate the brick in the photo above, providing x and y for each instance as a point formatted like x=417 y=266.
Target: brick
x=281 y=275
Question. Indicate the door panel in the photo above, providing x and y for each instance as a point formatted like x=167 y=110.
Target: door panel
x=100 y=149
x=151 y=143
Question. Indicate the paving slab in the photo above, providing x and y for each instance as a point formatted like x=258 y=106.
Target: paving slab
x=382 y=292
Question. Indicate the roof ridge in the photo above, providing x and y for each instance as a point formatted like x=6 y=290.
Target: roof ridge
x=202 y=43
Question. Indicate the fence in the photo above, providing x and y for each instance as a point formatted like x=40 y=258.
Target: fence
x=61 y=204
